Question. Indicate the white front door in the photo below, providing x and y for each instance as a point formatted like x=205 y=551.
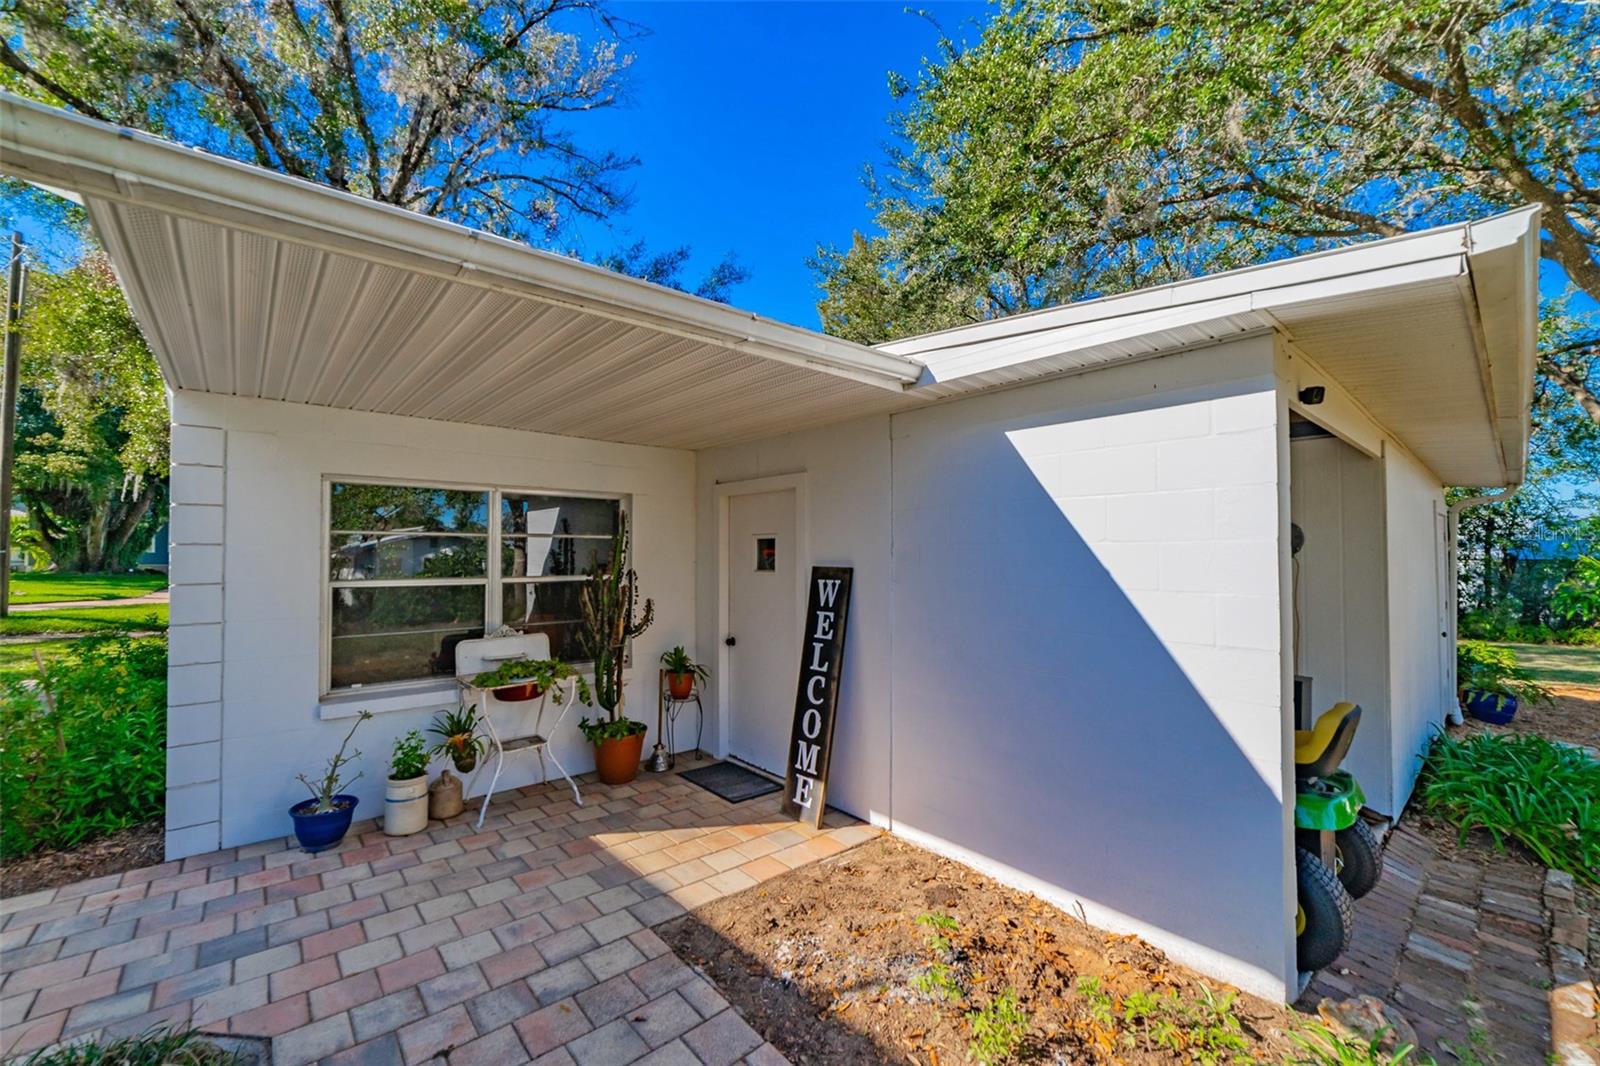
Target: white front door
x=764 y=648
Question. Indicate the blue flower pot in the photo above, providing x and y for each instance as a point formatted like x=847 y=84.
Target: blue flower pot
x=319 y=832
x=1487 y=707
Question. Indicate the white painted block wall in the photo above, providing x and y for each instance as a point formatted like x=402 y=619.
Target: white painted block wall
x=1419 y=693
x=245 y=714
x=1088 y=686
x=847 y=487
x=1338 y=499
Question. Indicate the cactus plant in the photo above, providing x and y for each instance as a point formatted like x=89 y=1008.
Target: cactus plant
x=612 y=617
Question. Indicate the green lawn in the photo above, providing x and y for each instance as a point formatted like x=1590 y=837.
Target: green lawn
x=17 y=659
x=86 y=619
x=1555 y=662
x=56 y=588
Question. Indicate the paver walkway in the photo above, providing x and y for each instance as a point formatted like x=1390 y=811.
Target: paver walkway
x=529 y=941
x=1456 y=942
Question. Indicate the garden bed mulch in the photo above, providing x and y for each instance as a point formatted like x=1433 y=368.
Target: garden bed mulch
x=832 y=965
x=1573 y=716
x=141 y=845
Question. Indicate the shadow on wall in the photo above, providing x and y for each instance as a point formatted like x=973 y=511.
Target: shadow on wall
x=1069 y=702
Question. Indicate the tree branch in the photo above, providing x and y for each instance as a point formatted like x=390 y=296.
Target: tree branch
x=11 y=59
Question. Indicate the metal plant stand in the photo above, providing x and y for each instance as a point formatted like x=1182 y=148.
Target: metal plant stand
x=664 y=757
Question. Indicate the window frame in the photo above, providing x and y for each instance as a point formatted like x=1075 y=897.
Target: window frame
x=493 y=581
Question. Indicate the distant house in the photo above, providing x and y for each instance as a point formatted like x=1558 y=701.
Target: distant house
x=1076 y=622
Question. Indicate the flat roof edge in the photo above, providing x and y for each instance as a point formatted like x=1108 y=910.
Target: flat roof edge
x=57 y=149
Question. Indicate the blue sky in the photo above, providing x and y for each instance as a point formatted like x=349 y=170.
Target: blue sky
x=752 y=122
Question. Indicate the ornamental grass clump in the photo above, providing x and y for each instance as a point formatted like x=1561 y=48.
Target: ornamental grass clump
x=1526 y=788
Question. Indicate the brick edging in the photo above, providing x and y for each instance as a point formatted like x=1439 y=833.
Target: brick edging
x=1574 y=1017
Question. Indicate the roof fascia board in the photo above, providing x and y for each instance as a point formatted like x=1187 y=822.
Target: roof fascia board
x=95 y=160
x=1443 y=242
x=1503 y=260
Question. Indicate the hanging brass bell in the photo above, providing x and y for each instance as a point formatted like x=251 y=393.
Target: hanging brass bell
x=444 y=796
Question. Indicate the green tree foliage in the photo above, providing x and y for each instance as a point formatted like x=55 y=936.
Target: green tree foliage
x=1082 y=147
x=465 y=110
x=92 y=431
x=452 y=109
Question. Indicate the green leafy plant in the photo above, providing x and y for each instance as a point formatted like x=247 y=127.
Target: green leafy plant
x=998 y=1030
x=545 y=673
x=611 y=618
x=410 y=757
x=333 y=782
x=457 y=731
x=1522 y=787
x=677 y=661
x=1577 y=598
x=1492 y=670
x=156 y=1047
x=83 y=743
x=1202 y=1028
x=941 y=924
x=1101 y=1007
x=1321 y=1046
x=609 y=728
x=938 y=982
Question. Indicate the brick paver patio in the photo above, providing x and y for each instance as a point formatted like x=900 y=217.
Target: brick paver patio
x=1458 y=944
x=528 y=941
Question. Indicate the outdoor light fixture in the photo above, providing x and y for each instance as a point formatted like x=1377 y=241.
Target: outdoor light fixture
x=1312 y=395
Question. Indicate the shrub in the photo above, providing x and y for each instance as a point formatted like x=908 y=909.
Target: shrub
x=1577 y=598
x=1522 y=787
x=1493 y=670
x=83 y=746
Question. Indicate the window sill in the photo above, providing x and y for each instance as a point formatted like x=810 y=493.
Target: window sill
x=423 y=696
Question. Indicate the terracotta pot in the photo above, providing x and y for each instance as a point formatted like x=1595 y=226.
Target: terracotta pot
x=617 y=760
x=518 y=693
x=679 y=686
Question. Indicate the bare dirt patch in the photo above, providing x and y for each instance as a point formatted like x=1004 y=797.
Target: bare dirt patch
x=1573 y=717
x=142 y=845
x=842 y=962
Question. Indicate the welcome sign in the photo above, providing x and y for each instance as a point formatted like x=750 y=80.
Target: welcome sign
x=817 y=702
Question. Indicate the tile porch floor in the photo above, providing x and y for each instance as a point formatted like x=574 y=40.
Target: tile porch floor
x=529 y=941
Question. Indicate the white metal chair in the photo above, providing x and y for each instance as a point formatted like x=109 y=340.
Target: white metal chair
x=509 y=735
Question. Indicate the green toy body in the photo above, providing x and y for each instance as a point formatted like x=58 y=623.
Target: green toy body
x=1328 y=803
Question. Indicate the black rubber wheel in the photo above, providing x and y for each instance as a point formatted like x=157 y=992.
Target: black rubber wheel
x=1360 y=859
x=1327 y=913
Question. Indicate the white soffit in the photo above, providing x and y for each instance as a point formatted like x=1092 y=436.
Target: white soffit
x=254 y=284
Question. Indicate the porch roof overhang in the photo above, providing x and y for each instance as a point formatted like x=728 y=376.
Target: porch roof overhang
x=252 y=283
x=256 y=284
x=1433 y=333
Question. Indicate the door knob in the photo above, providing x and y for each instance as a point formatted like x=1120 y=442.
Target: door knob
x=729 y=641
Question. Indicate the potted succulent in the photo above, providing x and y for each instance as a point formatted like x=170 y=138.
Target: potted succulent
x=682 y=673
x=322 y=821
x=1491 y=684
x=610 y=620
x=457 y=731
x=405 y=800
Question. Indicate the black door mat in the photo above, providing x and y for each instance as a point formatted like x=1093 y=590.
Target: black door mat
x=731 y=781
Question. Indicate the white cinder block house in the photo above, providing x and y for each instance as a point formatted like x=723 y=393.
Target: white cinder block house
x=1076 y=618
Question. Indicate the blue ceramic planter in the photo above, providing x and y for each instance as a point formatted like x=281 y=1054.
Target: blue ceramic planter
x=1487 y=707
x=319 y=832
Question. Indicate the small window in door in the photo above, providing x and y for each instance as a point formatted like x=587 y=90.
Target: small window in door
x=766 y=554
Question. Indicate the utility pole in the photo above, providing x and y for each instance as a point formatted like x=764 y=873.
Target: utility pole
x=8 y=419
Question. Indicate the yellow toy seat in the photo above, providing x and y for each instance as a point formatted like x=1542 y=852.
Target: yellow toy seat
x=1318 y=751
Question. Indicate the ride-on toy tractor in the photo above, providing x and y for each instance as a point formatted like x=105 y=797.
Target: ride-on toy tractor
x=1337 y=856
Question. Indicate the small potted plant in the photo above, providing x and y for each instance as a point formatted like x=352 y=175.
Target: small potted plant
x=610 y=620
x=405 y=800
x=457 y=731
x=1491 y=684
x=322 y=821
x=527 y=679
x=682 y=673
